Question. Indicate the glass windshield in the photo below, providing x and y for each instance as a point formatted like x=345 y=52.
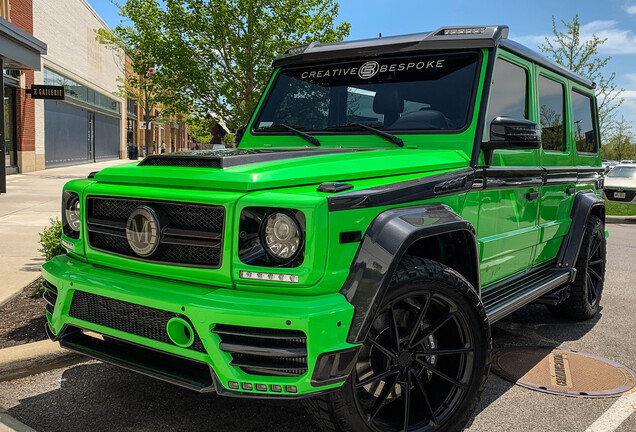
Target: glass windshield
x=629 y=172
x=425 y=92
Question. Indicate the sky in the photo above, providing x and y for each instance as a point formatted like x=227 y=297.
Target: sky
x=529 y=21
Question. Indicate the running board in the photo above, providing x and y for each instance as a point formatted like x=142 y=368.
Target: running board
x=508 y=296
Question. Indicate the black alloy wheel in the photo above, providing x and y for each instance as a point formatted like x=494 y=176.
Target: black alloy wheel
x=424 y=362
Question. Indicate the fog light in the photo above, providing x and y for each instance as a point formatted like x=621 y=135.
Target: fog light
x=261 y=387
x=233 y=385
x=291 y=389
x=274 y=277
x=247 y=386
x=276 y=388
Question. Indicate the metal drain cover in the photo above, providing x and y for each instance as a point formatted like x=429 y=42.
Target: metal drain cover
x=563 y=372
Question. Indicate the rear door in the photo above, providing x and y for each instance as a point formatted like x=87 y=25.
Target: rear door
x=557 y=159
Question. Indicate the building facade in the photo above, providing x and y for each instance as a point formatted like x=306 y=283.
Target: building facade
x=92 y=123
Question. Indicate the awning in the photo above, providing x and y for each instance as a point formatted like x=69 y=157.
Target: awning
x=18 y=49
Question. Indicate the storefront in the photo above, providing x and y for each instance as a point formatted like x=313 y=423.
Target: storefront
x=18 y=51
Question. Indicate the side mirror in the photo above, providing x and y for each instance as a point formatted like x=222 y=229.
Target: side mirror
x=239 y=134
x=511 y=134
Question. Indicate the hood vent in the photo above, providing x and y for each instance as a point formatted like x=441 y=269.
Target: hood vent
x=230 y=157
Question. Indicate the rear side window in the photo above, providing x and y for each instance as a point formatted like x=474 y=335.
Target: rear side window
x=584 y=129
x=551 y=114
x=509 y=93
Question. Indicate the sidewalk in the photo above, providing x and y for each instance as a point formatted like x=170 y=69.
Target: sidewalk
x=31 y=200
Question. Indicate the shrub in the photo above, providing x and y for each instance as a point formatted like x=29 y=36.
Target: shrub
x=228 y=141
x=50 y=240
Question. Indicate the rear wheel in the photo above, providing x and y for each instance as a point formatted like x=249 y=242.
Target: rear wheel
x=424 y=362
x=587 y=288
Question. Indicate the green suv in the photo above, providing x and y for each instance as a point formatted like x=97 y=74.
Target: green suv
x=389 y=200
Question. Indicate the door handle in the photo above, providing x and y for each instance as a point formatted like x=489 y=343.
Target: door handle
x=570 y=190
x=532 y=196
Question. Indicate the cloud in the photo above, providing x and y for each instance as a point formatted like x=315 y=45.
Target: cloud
x=619 y=41
x=631 y=9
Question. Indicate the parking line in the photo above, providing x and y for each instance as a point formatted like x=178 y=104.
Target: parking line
x=615 y=415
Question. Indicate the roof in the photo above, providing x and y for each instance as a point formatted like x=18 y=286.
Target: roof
x=444 y=38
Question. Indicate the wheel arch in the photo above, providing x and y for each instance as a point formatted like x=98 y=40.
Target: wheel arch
x=585 y=204
x=429 y=231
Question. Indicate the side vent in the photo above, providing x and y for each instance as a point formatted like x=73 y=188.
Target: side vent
x=263 y=351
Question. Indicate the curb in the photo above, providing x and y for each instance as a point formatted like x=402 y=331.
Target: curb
x=9 y=424
x=620 y=219
x=33 y=358
x=11 y=296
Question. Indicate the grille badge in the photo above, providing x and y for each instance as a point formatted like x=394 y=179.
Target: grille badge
x=143 y=231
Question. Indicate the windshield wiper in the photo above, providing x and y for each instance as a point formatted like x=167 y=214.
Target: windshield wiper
x=295 y=131
x=387 y=136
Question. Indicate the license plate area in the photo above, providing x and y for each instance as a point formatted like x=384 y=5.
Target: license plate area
x=619 y=195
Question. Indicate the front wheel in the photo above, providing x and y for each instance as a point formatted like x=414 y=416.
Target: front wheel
x=424 y=362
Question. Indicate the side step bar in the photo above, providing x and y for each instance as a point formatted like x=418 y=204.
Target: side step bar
x=508 y=296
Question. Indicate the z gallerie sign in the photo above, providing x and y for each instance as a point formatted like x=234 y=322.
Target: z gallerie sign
x=47 y=92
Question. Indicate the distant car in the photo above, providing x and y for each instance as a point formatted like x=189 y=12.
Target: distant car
x=620 y=184
x=218 y=147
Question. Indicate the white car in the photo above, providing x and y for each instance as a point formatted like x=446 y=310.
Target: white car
x=620 y=184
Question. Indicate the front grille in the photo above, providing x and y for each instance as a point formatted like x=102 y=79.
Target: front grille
x=191 y=234
x=629 y=195
x=263 y=351
x=127 y=317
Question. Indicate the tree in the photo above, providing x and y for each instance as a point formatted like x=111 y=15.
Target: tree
x=620 y=145
x=568 y=49
x=214 y=56
x=137 y=82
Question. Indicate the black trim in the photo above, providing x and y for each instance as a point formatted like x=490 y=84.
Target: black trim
x=387 y=239
x=333 y=367
x=329 y=187
x=408 y=191
x=483 y=107
x=350 y=236
x=584 y=203
x=221 y=159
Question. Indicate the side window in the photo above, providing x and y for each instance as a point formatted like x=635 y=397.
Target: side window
x=551 y=114
x=509 y=92
x=584 y=129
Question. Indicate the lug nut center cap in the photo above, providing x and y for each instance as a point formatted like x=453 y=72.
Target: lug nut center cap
x=405 y=358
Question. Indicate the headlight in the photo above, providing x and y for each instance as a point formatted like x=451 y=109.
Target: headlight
x=281 y=236
x=71 y=214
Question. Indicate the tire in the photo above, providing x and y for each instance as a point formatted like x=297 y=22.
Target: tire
x=428 y=350
x=587 y=288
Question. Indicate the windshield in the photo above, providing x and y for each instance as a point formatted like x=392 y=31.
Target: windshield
x=623 y=171
x=418 y=93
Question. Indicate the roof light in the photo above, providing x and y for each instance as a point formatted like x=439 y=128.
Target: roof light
x=464 y=31
x=274 y=277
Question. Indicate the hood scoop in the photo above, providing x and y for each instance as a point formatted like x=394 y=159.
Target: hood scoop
x=227 y=158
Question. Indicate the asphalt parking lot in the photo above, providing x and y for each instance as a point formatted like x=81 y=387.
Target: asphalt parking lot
x=98 y=397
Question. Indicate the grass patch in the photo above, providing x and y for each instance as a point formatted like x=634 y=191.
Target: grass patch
x=614 y=208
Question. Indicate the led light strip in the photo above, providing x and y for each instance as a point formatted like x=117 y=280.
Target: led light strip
x=274 y=277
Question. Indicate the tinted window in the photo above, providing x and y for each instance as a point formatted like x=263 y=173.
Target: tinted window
x=584 y=130
x=508 y=96
x=551 y=114
x=621 y=171
x=426 y=92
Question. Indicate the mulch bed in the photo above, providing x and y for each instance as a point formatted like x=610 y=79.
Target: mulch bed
x=22 y=319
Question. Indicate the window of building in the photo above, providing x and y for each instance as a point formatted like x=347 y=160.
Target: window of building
x=81 y=92
x=551 y=114
x=584 y=128
x=131 y=106
x=509 y=92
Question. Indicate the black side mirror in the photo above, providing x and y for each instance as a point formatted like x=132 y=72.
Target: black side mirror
x=511 y=134
x=239 y=134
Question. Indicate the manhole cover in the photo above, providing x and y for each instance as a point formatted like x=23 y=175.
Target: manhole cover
x=563 y=372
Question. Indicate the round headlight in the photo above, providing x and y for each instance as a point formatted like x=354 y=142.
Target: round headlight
x=72 y=212
x=282 y=236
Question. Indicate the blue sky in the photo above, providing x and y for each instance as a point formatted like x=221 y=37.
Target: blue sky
x=529 y=22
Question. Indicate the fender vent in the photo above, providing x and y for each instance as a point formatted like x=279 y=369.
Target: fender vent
x=263 y=351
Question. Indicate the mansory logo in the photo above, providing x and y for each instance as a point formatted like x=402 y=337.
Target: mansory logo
x=142 y=231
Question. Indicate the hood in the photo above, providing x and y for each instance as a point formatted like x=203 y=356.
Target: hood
x=245 y=170
x=620 y=182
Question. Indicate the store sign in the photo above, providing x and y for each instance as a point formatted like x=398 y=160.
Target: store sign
x=47 y=92
x=145 y=125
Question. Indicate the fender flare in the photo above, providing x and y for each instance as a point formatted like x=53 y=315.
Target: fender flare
x=584 y=204
x=386 y=240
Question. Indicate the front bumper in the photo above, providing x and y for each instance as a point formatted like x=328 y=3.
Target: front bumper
x=628 y=195
x=131 y=309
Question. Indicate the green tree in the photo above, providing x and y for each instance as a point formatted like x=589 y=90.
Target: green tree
x=215 y=55
x=137 y=80
x=567 y=48
x=201 y=129
x=621 y=144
